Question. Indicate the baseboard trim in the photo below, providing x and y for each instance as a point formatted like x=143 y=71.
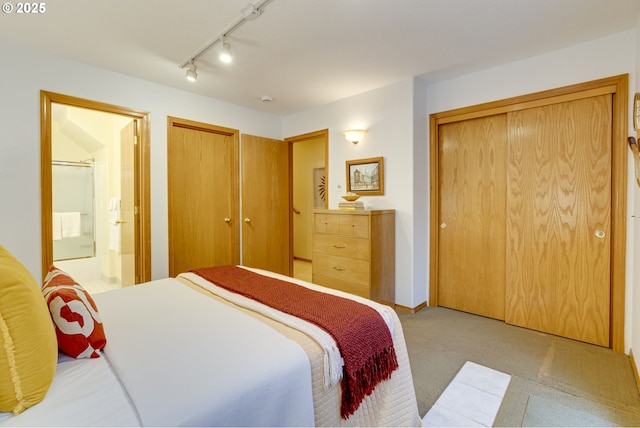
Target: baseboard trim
x=635 y=369
x=412 y=310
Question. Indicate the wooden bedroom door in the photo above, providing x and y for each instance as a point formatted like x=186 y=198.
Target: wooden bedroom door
x=203 y=195
x=472 y=219
x=266 y=240
x=559 y=219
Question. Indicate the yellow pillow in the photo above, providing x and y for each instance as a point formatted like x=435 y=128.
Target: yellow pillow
x=28 y=346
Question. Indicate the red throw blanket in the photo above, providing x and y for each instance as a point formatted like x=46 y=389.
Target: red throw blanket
x=361 y=334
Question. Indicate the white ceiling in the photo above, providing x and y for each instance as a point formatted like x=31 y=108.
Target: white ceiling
x=307 y=53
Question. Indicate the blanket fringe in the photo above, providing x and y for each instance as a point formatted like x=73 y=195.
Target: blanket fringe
x=360 y=384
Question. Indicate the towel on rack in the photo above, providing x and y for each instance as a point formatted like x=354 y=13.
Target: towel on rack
x=57 y=226
x=70 y=224
x=114 y=226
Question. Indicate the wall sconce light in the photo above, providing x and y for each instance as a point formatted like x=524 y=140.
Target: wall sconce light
x=354 y=135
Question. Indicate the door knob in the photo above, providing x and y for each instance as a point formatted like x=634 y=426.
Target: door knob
x=600 y=234
x=247 y=220
x=443 y=225
x=227 y=220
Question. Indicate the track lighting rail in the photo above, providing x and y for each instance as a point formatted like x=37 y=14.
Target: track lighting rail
x=249 y=13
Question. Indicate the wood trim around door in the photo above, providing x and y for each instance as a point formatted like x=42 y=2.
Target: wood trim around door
x=324 y=134
x=143 y=240
x=618 y=87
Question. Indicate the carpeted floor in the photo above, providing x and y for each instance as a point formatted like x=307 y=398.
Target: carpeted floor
x=554 y=381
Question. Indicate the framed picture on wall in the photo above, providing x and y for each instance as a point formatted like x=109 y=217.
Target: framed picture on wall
x=365 y=176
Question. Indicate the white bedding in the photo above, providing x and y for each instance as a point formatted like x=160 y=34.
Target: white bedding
x=214 y=364
x=84 y=393
x=174 y=380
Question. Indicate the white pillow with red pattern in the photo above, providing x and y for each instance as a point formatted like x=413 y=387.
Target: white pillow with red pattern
x=74 y=313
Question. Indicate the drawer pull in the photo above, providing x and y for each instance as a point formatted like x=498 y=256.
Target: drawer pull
x=339 y=246
x=338 y=268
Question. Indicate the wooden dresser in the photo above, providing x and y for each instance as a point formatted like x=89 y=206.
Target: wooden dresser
x=354 y=251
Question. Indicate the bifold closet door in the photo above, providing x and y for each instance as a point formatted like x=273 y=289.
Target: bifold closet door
x=203 y=196
x=471 y=271
x=558 y=219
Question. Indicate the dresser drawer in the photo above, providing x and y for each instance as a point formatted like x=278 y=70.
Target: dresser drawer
x=342 y=224
x=357 y=248
x=342 y=268
x=338 y=284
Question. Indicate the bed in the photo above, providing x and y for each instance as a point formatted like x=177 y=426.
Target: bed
x=184 y=352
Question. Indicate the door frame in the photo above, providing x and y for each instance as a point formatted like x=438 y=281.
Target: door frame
x=324 y=134
x=617 y=86
x=141 y=177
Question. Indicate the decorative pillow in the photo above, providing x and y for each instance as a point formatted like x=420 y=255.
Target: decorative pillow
x=28 y=349
x=77 y=323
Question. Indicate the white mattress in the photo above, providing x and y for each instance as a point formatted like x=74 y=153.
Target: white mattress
x=84 y=392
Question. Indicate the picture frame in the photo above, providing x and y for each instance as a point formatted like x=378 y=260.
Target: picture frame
x=365 y=177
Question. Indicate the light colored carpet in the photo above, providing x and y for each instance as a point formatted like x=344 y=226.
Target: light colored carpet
x=589 y=379
x=542 y=412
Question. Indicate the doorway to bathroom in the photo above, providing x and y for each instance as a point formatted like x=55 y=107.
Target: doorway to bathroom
x=91 y=195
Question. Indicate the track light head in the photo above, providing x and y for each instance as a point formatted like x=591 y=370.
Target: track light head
x=192 y=73
x=225 y=52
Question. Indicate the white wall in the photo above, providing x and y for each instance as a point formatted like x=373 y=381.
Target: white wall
x=421 y=183
x=388 y=115
x=24 y=73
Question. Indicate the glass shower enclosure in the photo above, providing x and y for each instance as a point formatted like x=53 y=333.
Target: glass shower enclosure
x=73 y=210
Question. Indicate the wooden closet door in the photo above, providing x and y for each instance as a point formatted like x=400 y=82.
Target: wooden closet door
x=558 y=219
x=266 y=213
x=203 y=196
x=471 y=271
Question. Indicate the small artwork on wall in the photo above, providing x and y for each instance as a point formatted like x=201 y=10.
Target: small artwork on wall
x=365 y=176
x=319 y=188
